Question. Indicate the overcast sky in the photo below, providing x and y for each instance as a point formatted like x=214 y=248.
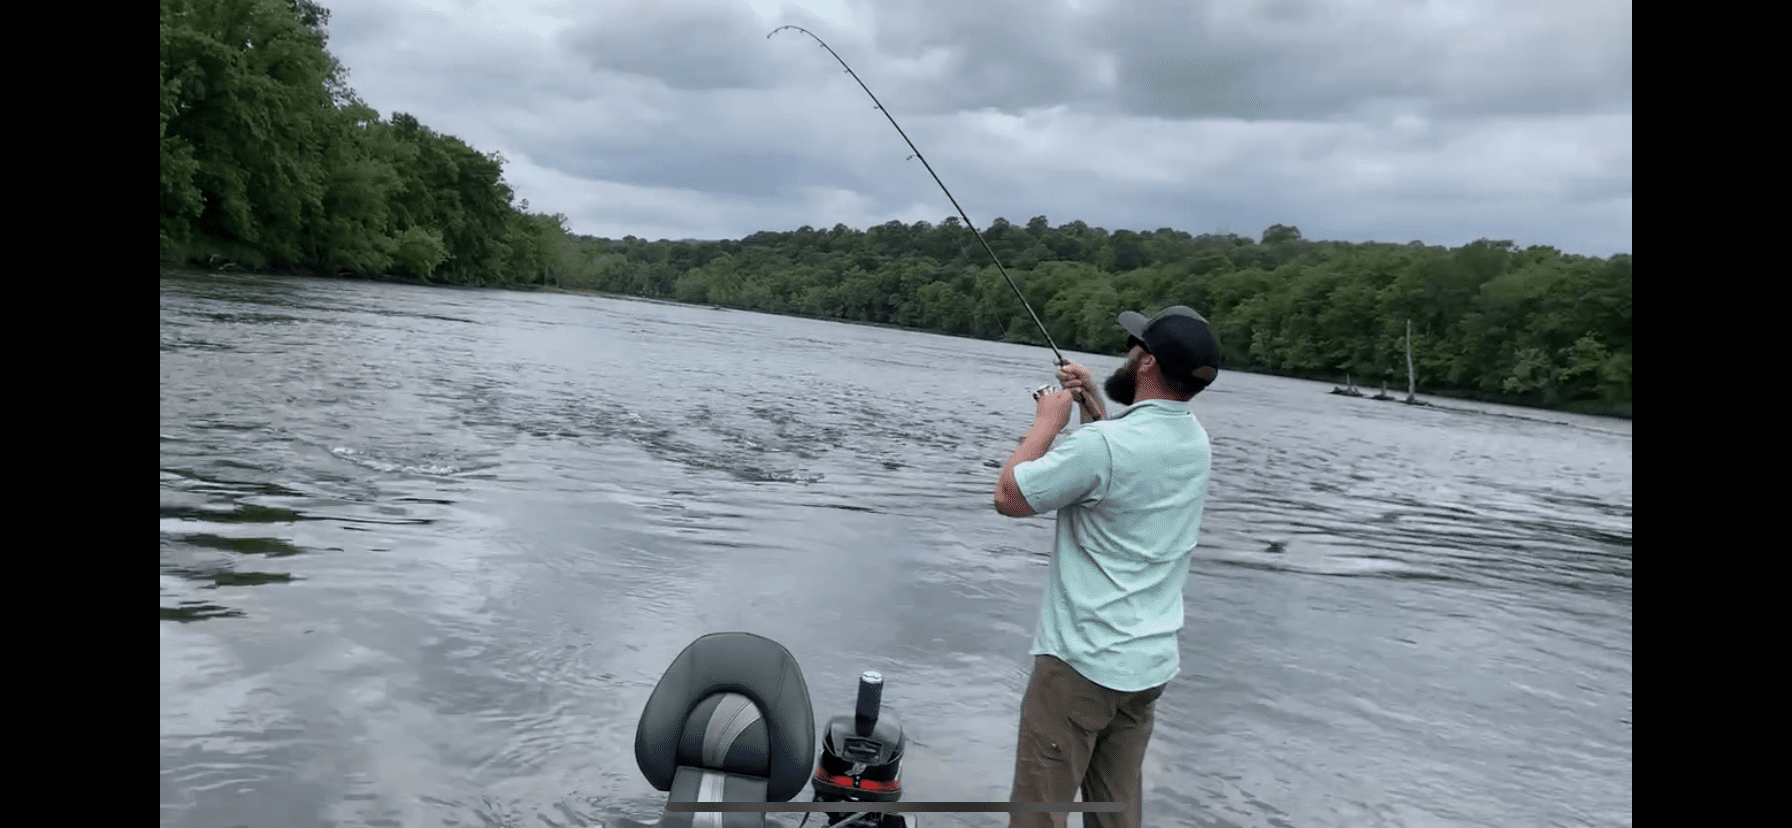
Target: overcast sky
x=1359 y=120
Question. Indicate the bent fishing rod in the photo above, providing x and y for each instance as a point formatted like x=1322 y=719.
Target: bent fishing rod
x=1089 y=410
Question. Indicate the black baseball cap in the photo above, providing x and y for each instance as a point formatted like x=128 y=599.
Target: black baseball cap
x=1180 y=339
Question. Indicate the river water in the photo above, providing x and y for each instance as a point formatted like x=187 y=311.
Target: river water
x=425 y=552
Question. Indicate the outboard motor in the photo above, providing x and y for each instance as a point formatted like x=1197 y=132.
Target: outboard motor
x=730 y=721
x=861 y=759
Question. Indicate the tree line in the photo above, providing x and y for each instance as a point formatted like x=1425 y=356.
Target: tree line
x=269 y=161
x=1489 y=319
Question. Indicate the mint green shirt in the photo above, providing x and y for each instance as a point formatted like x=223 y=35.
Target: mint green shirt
x=1128 y=492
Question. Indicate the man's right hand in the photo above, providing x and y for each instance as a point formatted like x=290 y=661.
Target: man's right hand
x=1075 y=379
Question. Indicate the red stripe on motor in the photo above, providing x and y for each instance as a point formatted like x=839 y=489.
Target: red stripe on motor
x=863 y=784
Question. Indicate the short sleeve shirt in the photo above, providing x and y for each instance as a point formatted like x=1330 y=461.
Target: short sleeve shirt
x=1129 y=493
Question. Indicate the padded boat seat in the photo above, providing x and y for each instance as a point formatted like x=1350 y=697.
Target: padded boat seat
x=729 y=721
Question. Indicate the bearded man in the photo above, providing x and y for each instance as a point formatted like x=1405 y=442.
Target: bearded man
x=1128 y=492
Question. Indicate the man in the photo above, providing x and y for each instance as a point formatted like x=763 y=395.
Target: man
x=1128 y=492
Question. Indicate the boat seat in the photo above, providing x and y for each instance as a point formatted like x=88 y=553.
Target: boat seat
x=729 y=721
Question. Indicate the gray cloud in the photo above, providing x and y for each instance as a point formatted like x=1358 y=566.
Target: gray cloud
x=1009 y=55
x=720 y=169
x=1265 y=60
x=1381 y=119
x=691 y=45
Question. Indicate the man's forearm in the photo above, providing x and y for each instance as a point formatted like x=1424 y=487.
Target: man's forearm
x=1092 y=408
x=1033 y=446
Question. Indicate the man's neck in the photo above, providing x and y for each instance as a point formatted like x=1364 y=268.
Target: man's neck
x=1152 y=391
x=1139 y=399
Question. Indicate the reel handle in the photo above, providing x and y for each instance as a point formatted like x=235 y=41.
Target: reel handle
x=1090 y=414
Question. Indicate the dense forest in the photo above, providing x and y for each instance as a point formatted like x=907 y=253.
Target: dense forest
x=270 y=162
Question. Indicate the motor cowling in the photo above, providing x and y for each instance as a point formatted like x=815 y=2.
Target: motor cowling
x=861 y=755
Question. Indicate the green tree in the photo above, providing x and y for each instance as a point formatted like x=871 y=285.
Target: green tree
x=942 y=308
x=418 y=252
x=1128 y=251
x=1281 y=234
x=245 y=104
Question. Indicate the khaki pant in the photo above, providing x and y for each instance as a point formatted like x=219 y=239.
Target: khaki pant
x=1077 y=735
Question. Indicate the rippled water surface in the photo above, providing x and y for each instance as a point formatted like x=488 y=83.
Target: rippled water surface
x=425 y=552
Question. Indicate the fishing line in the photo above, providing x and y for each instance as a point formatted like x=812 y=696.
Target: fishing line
x=936 y=179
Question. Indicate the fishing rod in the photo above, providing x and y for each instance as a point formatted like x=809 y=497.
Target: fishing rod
x=1089 y=410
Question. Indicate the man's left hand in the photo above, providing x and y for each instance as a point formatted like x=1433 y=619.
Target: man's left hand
x=1054 y=410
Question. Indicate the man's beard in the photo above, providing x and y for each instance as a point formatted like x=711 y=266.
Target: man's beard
x=1123 y=384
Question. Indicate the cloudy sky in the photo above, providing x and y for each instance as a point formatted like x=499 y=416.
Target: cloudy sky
x=1360 y=120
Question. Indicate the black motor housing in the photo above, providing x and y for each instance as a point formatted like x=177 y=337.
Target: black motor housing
x=861 y=755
